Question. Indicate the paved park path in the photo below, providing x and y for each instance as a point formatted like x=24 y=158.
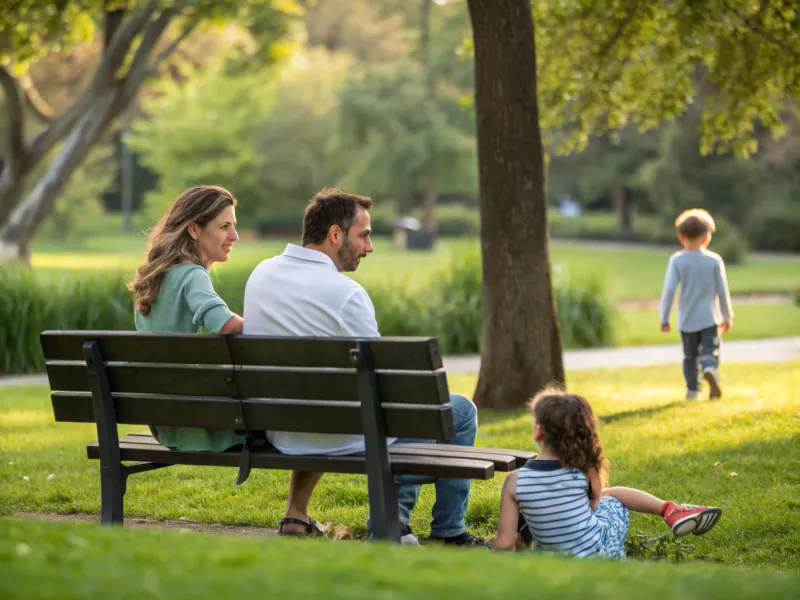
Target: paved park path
x=767 y=350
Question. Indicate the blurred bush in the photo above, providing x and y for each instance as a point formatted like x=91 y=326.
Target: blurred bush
x=456 y=304
x=29 y=306
x=453 y=220
x=456 y=220
x=585 y=311
x=604 y=226
x=775 y=227
x=729 y=243
x=447 y=305
x=450 y=306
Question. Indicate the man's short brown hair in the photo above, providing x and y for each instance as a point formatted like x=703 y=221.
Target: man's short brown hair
x=331 y=206
x=694 y=223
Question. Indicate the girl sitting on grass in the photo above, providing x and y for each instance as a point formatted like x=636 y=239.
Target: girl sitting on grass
x=557 y=499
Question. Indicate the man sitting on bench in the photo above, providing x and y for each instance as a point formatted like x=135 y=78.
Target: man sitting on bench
x=303 y=292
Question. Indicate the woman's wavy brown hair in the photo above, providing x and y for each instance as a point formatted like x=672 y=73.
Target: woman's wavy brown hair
x=170 y=242
x=570 y=430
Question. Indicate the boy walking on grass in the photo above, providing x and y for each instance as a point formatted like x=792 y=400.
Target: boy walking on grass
x=704 y=304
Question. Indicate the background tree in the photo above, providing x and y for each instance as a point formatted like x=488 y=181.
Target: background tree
x=271 y=135
x=609 y=64
x=607 y=174
x=138 y=37
x=521 y=350
x=604 y=65
x=347 y=109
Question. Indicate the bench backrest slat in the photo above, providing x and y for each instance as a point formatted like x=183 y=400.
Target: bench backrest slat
x=404 y=354
x=399 y=387
x=237 y=382
x=426 y=422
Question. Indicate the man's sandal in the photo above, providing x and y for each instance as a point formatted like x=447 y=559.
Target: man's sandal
x=311 y=529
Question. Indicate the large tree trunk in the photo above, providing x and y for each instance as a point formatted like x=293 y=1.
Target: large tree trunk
x=15 y=164
x=521 y=348
x=19 y=229
x=12 y=186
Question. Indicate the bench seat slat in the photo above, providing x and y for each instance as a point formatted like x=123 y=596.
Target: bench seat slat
x=407 y=387
x=520 y=456
x=405 y=353
x=402 y=420
x=402 y=464
x=502 y=461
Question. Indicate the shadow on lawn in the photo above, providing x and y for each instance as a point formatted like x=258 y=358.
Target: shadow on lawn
x=639 y=412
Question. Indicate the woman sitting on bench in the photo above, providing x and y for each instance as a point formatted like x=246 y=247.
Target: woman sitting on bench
x=174 y=293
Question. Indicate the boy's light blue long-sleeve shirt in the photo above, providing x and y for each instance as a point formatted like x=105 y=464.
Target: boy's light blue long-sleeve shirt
x=704 y=299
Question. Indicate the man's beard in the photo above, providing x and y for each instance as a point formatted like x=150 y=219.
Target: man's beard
x=348 y=257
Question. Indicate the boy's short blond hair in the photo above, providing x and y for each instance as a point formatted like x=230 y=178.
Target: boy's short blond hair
x=694 y=223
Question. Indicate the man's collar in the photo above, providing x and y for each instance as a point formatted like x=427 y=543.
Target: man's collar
x=309 y=254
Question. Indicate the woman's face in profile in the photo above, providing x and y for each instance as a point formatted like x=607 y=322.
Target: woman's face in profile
x=215 y=239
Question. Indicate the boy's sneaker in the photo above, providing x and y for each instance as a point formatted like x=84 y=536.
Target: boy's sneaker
x=684 y=519
x=407 y=537
x=691 y=394
x=712 y=377
x=465 y=539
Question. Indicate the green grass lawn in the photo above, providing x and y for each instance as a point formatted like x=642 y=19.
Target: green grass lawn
x=752 y=321
x=654 y=440
x=635 y=272
x=89 y=562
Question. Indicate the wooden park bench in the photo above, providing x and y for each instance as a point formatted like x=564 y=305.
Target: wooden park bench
x=387 y=387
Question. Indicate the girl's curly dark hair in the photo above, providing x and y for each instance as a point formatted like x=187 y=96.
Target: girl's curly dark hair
x=570 y=429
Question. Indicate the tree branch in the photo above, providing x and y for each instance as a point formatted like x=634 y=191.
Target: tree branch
x=169 y=50
x=752 y=26
x=41 y=109
x=16 y=118
x=135 y=79
x=116 y=51
x=14 y=7
x=184 y=55
x=152 y=35
x=112 y=58
x=113 y=20
x=620 y=30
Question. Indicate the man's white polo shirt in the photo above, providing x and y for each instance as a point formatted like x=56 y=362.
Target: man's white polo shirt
x=301 y=293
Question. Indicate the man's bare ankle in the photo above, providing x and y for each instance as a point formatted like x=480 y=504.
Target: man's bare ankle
x=300 y=515
x=299 y=527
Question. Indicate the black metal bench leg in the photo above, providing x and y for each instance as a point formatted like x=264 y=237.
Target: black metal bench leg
x=112 y=492
x=383 y=508
x=112 y=474
x=380 y=480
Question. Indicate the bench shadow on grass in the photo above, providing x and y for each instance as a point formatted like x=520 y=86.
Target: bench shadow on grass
x=638 y=412
x=516 y=421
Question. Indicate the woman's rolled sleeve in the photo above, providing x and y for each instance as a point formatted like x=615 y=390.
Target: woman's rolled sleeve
x=207 y=307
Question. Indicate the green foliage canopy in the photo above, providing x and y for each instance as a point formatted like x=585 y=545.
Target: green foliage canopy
x=604 y=65
x=716 y=76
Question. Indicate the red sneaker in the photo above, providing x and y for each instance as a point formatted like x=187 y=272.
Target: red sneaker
x=684 y=519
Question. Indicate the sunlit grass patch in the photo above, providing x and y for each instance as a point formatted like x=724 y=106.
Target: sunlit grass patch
x=654 y=439
x=41 y=560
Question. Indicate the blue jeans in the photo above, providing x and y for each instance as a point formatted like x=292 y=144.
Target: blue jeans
x=699 y=346
x=452 y=495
